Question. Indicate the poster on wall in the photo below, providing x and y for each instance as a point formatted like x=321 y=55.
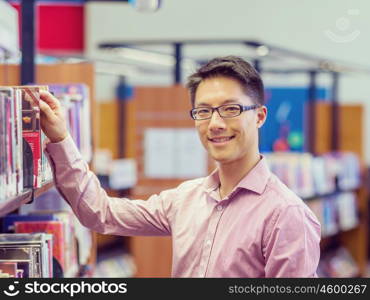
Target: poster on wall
x=173 y=153
x=284 y=129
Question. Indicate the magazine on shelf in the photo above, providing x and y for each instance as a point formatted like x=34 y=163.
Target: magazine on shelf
x=30 y=252
x=55 y=228
x=69 y=246
x=32 y=128
x=11 y=173
x=9 y=220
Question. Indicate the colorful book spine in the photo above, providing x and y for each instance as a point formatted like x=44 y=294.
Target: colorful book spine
x=56 y=228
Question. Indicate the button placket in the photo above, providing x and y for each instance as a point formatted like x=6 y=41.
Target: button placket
x=208 y=241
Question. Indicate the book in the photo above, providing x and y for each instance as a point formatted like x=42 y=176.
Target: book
x=31 y=127
x=55 y=228
x=347 y=211
x=9 y=220
x=338 y=263
x=30 y=252
x=69 y=246
x=11 y=173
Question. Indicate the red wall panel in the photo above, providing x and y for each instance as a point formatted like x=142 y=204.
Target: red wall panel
x=60 y=27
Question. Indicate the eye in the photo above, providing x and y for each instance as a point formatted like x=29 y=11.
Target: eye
x=202 y=110
x=231 y=108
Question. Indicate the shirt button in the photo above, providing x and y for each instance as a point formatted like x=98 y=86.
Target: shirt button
x=209 y=242
x=219 y=207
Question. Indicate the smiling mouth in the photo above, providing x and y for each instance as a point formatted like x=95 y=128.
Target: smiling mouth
x=221 y=139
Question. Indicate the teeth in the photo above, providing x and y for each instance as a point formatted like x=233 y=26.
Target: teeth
x=220 y=140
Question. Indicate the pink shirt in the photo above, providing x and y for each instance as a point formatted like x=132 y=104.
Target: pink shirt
x=262 y=229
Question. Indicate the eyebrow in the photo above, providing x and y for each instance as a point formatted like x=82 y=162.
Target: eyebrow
x=224 y=102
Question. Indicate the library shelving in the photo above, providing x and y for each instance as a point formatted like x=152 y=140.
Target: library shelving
x=350 y=138
x=55 y=74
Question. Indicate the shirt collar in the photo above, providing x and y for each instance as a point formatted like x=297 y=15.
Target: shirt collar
x=255 y=180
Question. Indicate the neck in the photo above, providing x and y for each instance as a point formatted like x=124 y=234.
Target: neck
x=231 y=174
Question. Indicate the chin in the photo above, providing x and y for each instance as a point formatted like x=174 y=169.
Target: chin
x=222 y=159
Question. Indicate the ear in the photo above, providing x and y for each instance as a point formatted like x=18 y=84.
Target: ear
x=261 y=116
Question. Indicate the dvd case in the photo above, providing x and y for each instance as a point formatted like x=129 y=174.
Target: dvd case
x=30 y=252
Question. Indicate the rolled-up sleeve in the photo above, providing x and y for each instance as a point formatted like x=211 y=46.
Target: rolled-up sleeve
x=94 y=208
x=292 y=248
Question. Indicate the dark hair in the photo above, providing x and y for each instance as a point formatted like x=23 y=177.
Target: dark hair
x=233 y=67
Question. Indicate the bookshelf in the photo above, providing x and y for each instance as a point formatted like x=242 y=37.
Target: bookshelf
x=25 y=197
x=46 y=75
x=350 y=139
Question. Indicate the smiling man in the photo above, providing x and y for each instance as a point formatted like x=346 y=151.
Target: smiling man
x=240 y=221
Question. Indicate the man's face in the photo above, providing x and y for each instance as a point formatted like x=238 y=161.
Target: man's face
x=228 y=139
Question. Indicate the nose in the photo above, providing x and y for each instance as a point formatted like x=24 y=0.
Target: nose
x=216 y=122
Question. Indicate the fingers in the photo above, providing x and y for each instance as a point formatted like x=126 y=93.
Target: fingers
x=49 y=99
x=46 y=110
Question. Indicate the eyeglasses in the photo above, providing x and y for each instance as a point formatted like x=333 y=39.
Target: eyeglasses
x=225 y=111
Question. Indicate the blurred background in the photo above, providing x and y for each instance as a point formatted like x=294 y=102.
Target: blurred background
x=133 y=58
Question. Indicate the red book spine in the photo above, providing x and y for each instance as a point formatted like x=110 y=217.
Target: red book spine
x=53 y=227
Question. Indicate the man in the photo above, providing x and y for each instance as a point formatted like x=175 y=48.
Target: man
x=240 y=221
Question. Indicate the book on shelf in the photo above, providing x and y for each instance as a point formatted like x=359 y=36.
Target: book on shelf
x=55 y=228
x=330 y=217
x=9 y=220
x=30 y=254
x=338 y=263
x=69 y=246
x=32 y=133
x=11 y=145
x=23 y=163
x=51 y=202
x=337 y=212
x=347 y=211
x=115 y=263
x=310 y=176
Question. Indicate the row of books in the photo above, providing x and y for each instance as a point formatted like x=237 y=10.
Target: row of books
x=309 y=175
x=338 y=212
x=115 y=264
x=58 y=230
x=23 y=163
x=338 y=263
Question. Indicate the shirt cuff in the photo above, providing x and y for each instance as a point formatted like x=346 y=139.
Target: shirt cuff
x=64 y=152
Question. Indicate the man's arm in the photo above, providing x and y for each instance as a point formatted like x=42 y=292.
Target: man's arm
x=292 y=247
x=82 y=190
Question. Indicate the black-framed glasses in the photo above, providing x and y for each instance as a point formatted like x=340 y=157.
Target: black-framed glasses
x=225 y=111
